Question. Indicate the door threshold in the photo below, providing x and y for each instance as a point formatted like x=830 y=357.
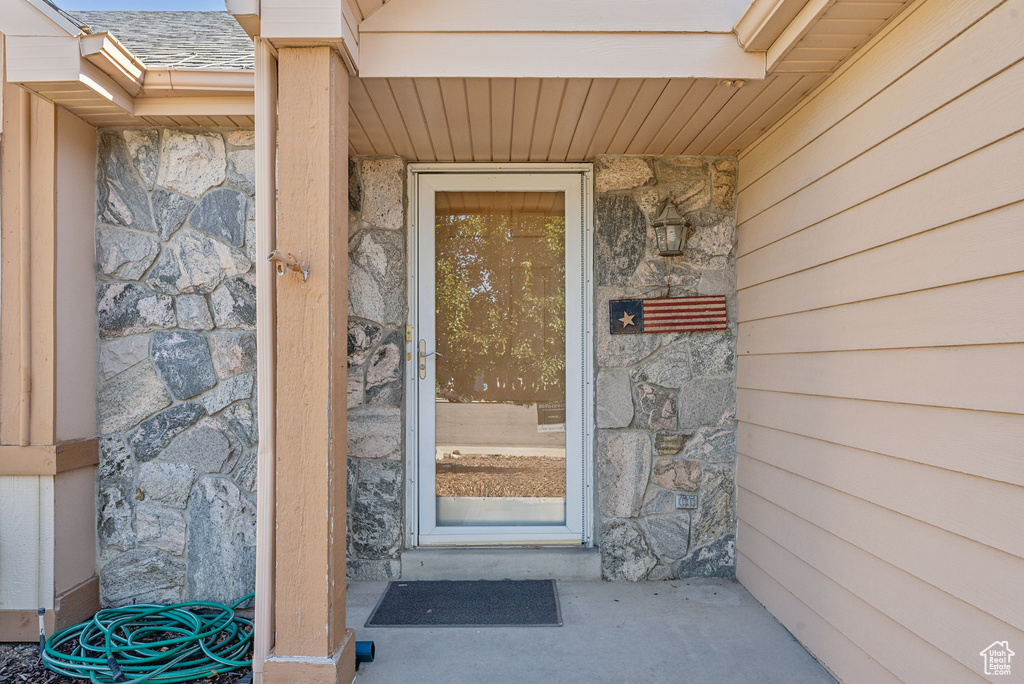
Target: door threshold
x=496 y=563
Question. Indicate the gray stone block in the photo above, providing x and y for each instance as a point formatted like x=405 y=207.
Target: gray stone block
x=716 y=515
x=242 y=138
x=143 y=148
x=191 y=162
x=193 y=262
x=623 y=468
x=221 y=541
x=121 y=354
x=234 y=303
x=242 y=421
x=161 y=528
x=625 y=553
x=155 y=434
x=670 y=534
x=115 y=527
x=669 y=367
x=233 y=353
x=713 y=353
x=621 y=173
x=383 y=190
x=355 y=192
x=184 y=362
x=377 y=510
x=717 y=559
x=169 y=210
x=723 y=178
x=677 y=474
x=221 y=214
x=356 y=391
x=128 y=308
x=126 y=399
x=713 y=445
x=620 y=238
x=116 y=467
x=711 y=240
x=707 y=402
x=166 y=483
x=228 y=391
x=244 y=474
x=121 y=195
x=658 y=500
x=375 y=432
x=207 y=446
x=363 y=336
x=123 y=253
x=193 y=313
x=376 y=276
x=614 y=399
x=142 y=575
x=656 y=408
x=384 y=375
x=242 y=170
x=373 y=570
x=681 y=171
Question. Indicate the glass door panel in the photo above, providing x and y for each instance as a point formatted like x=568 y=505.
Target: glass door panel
x=500 y=366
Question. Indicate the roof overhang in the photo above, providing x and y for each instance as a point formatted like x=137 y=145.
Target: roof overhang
x=98 y=79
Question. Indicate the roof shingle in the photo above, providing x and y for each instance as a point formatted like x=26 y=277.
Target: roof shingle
x=178 y=40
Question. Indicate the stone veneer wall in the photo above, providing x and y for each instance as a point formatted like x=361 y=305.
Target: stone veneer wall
x=666 y=403
x=378 y=312
x=175 y=240
x=177 y=357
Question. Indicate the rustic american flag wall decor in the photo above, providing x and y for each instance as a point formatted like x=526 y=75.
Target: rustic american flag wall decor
x=667 y=314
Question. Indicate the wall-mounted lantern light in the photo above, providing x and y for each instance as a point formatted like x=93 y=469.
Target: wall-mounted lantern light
x=670 y=229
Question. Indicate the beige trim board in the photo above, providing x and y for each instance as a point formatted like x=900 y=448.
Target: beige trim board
x=48 y=459
x=73 y=606
x=338 y=668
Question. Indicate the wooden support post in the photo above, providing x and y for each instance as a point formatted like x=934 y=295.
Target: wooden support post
x=311 y=642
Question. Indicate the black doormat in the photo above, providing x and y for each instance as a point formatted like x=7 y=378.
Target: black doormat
x=468 y=603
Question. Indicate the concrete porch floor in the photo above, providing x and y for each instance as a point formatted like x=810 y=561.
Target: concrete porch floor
x=685 y=630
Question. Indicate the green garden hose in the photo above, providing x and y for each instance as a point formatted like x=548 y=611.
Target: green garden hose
x=152 y=643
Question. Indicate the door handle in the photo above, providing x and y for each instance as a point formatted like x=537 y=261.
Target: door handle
x=423 y=358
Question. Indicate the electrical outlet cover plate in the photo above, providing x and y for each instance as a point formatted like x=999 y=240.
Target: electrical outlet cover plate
x=686 y=500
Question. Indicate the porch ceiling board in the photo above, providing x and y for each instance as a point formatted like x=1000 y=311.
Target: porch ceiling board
x=559 y=120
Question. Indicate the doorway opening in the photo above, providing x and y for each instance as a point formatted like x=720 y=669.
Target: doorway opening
x=500 y=400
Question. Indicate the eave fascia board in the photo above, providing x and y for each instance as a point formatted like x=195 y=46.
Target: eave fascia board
x=333 y=23
x=764 y=21
x=794 y=32
x=557 y=55
x=164 y=82
x=564 y=16
x=246 y=13
x=106 y=52
x=207 y=105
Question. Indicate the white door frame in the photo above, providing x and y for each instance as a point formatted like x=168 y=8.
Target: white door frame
x=579 y=259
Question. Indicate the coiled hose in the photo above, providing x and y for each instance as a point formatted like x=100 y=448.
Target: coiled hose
x=151 y=643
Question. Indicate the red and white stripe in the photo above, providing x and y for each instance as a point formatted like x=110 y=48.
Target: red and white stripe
x=684 y=314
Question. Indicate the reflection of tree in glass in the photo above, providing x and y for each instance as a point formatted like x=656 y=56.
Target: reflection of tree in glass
x=500 y=293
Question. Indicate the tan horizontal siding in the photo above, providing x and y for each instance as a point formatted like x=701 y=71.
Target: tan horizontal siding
x=834 y=649
x=880 y=367
x=847 y=587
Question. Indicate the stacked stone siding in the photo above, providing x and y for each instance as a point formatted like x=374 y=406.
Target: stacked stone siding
x=378 y=311
x=666 y=403
x=176 y=403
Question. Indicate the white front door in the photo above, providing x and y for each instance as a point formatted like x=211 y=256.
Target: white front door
x=499 y=429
